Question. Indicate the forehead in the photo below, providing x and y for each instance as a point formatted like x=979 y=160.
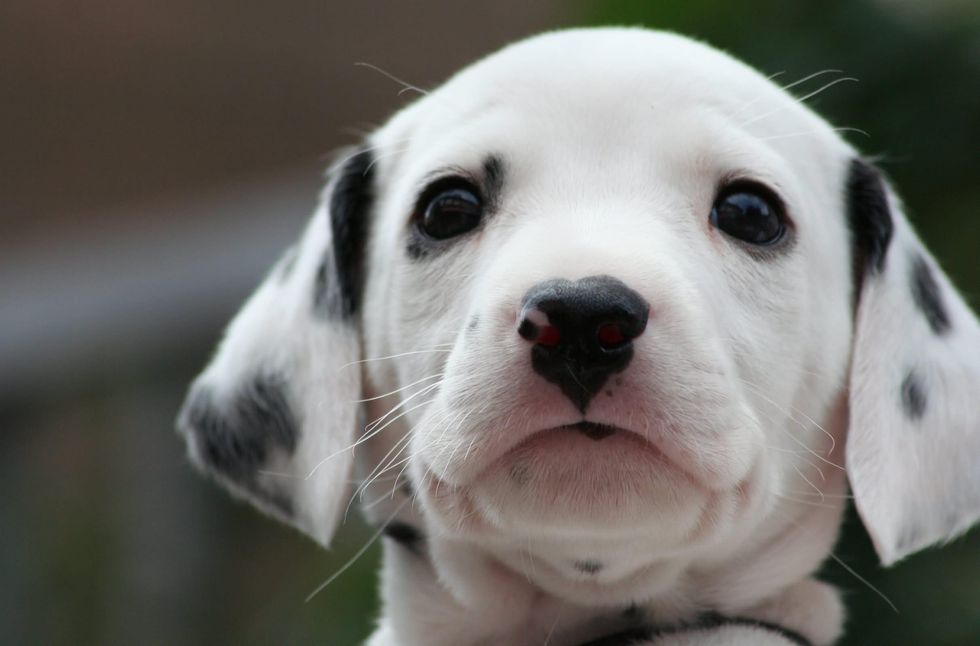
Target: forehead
x=616 y=95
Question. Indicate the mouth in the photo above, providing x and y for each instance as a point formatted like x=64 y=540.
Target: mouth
x=592 y=430
x=557 y=446
x=554 y=449
x=558 y=479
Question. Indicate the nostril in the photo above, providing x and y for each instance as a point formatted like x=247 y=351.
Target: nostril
x=610 y=336
x=527 y=330
x=546 y=335
x=549 y=336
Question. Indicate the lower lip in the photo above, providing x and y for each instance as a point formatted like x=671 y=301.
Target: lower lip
x=584 y=436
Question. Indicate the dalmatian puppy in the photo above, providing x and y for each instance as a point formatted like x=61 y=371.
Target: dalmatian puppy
x=603 y=329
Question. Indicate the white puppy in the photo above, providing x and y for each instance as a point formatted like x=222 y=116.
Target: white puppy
x=616 y=304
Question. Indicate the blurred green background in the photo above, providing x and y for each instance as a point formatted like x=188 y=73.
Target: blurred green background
x=157 y=156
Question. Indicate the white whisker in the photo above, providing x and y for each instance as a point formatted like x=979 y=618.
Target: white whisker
x=811 y=76
x=346 y=566
x=397 y=449
x=800 y=501
x=865 y=582
x=371 y=426
x=807 y=480
x=786 y=88
x=801 y=99
x=397 y=390
x=391 y=356
x=833 y=442
x=812 y=133
x=370 y=433
x=406 y=87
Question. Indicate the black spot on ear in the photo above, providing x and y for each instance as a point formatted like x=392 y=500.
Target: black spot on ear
x=927 y=295
x=869 y=215
x=350 y=203
x=869 y=219
x=473 y=324
x=235 y=440
x=913 y=396
x=588 y=566
x=405 y=535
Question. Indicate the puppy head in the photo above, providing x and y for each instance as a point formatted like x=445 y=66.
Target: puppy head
x=628 y=288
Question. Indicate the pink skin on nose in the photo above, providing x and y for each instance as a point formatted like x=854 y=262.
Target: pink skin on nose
x=547 y=334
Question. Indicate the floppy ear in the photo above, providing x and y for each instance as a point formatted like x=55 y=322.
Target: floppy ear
x=273 y=416
x=913 y=446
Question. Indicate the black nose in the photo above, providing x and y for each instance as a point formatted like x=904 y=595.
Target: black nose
x=582 y=332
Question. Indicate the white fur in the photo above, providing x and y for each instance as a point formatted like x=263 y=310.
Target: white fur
x=613 y=143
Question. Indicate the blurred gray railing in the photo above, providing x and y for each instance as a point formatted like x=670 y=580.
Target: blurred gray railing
x=109 y=297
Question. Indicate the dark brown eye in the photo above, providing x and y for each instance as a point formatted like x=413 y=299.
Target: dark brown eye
x=750 y=213
x=452 y=210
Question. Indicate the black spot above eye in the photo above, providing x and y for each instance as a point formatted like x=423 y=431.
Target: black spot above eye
x=449 y=208
x=749 y=212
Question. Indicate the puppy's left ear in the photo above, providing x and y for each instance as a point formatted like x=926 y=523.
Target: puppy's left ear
x=913 y=446
x=273 y=416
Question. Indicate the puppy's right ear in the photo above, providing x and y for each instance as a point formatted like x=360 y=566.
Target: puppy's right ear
x=913 y=443
x=273 y=416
